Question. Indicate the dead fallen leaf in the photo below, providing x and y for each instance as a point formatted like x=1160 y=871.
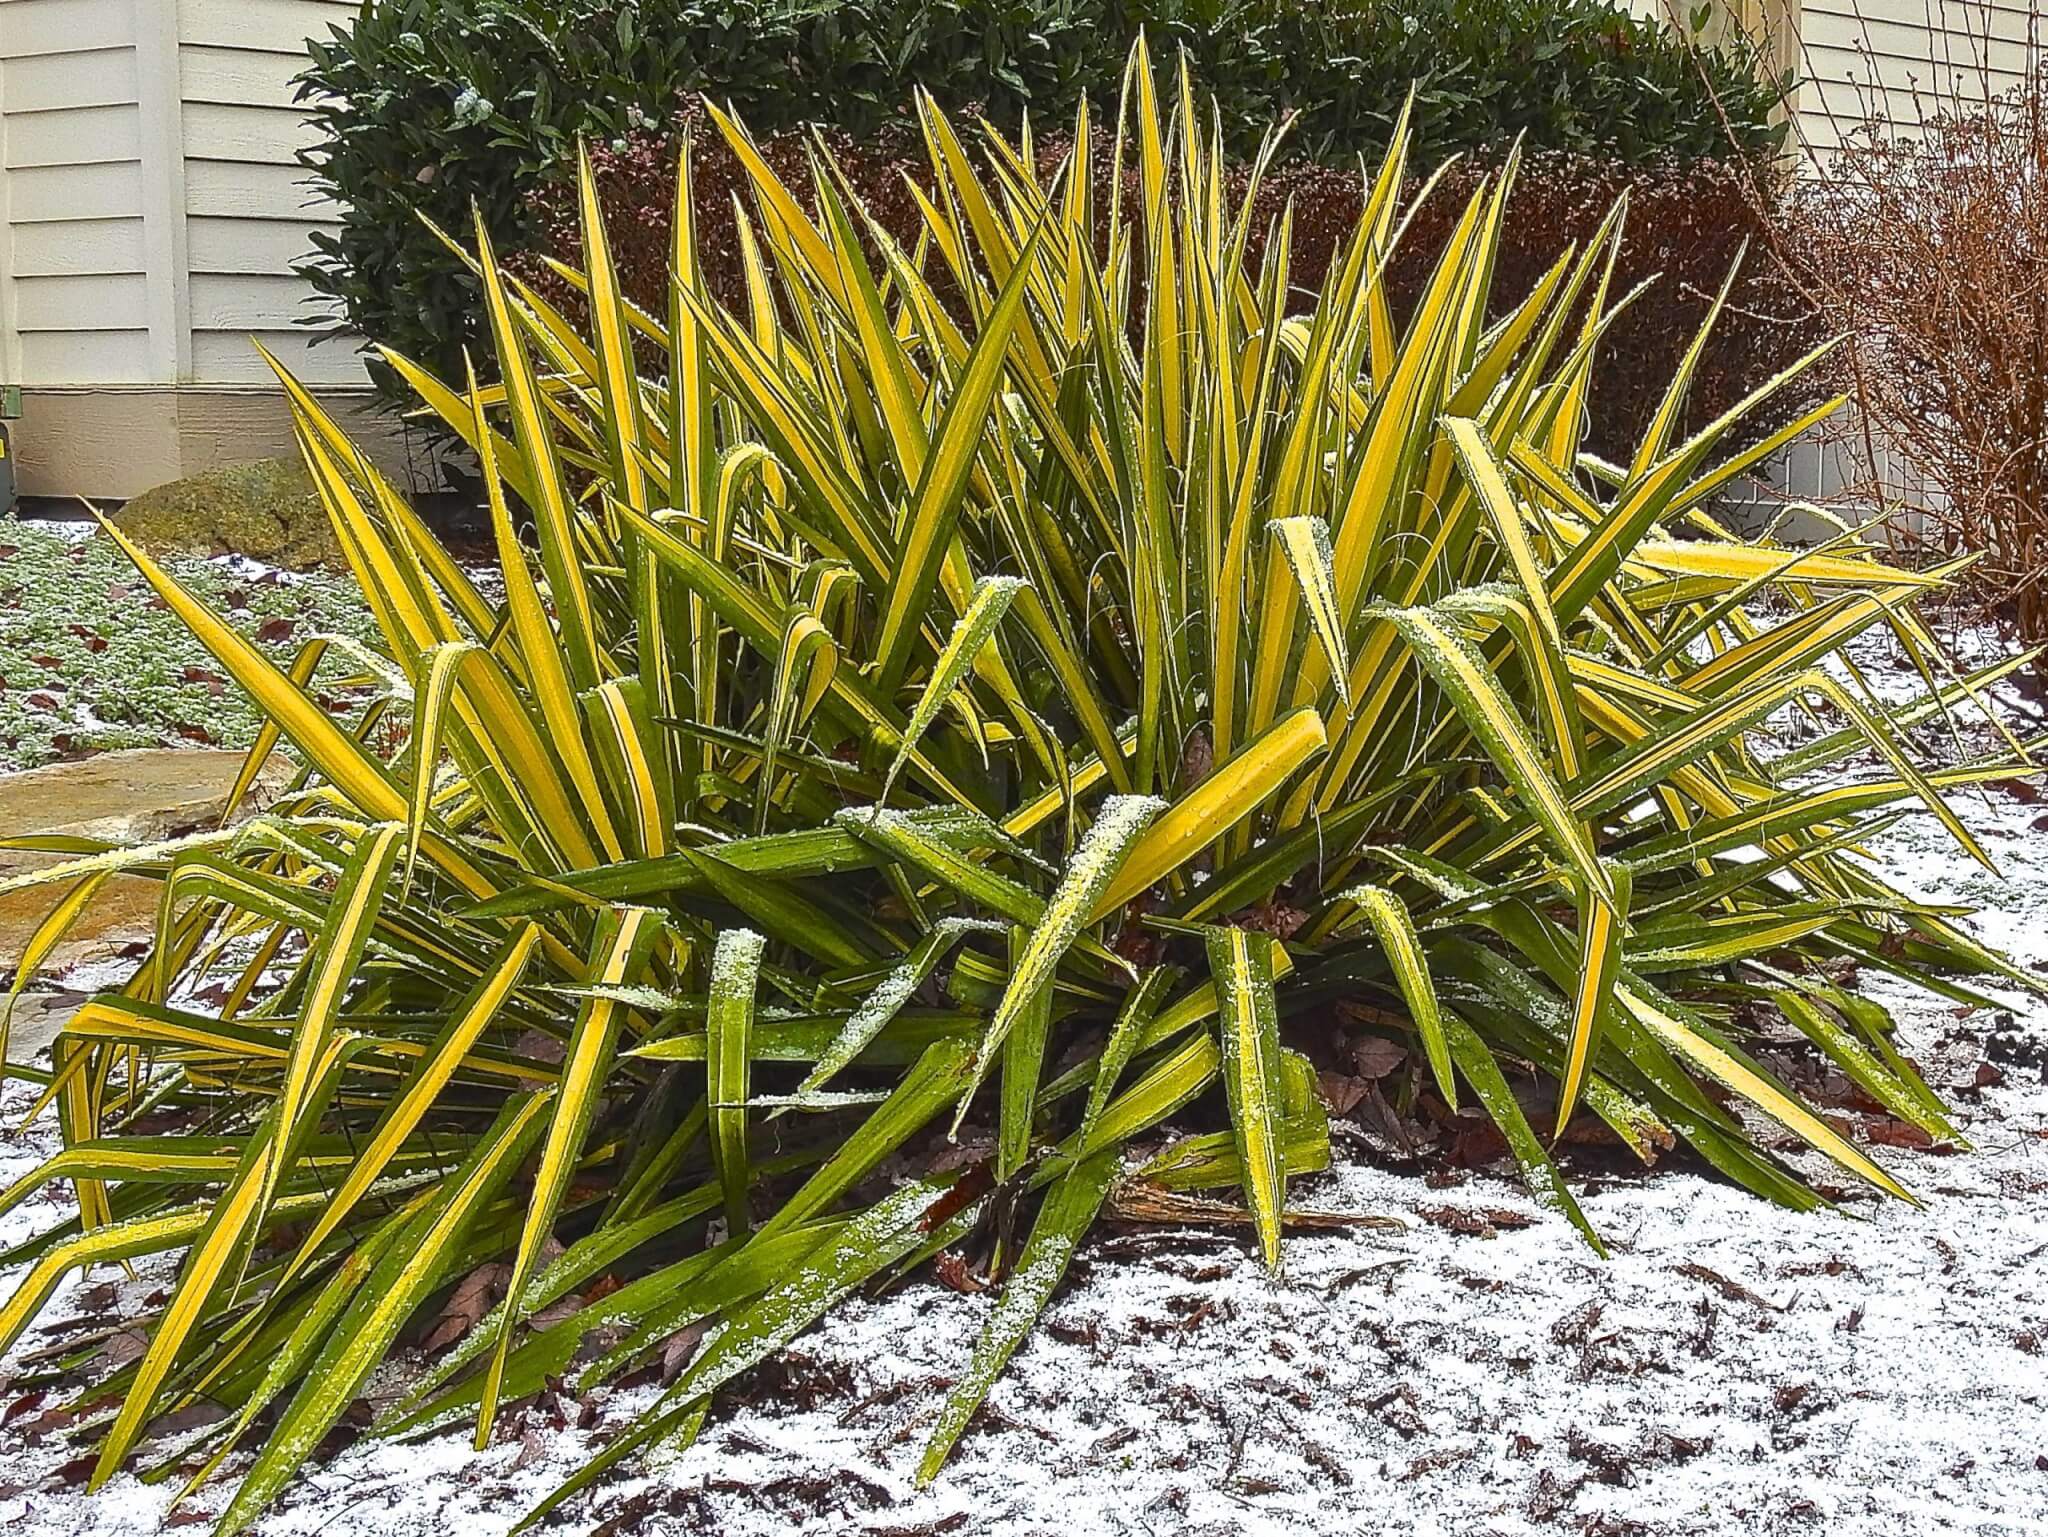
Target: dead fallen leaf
x=1885 y=1131
x=1273 y=917
x=1731 y=1290
x=127 y=1345
x=532 y=1447
x=681 y=1347
x=1376 y=1057
x=1397 y=1132
x=556 y=1311
x=540 y=1047
x=953 y=1271
x=466 y=1305
x=1473 y=1222
x=1340 y=1091
x=27 y=1403
x=1137 y=1200
x=1476 y=1144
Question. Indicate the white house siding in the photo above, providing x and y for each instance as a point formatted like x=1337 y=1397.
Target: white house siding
x=1897 y=60
x=1876 y=56
x=151 y=208
x=1854 y=58
x=1858 y=59
x=74 y=297
x=248 y=215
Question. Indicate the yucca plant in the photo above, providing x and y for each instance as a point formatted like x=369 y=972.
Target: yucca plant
x=925 y=687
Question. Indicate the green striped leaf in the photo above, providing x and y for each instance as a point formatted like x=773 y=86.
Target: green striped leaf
x=1394 y=926
x=1249 y=1024
x=971 y=635
x=1465 y=679
x=619 y=950
x=1091 y=871
x=405 y=1275
x=735 y=972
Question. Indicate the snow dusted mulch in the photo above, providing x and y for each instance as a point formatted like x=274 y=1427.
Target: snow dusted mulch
x=1880 y=1371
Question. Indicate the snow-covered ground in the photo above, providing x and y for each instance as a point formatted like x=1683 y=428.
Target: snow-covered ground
x=1881 y=1371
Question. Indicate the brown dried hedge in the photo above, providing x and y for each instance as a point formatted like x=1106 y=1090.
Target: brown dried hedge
x=1688 y=223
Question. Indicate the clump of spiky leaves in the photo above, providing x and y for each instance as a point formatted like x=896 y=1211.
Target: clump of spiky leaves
x=937 y=678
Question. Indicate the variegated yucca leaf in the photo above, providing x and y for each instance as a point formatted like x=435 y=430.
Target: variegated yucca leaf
x=1036 y=684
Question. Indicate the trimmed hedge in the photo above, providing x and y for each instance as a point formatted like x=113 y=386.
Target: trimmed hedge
x=1687 y=224
x=429 y=105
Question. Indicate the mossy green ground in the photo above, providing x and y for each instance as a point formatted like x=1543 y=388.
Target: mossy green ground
x=91 y=660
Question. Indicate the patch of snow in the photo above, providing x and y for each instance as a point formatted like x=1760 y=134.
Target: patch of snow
x=1879 y=1371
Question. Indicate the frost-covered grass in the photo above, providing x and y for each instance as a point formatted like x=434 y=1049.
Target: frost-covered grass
x=91 y=660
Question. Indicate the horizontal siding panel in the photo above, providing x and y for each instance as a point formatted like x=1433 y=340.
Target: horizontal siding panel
x=74 y=136
x=273 y=26
x=74 y=192
x=1833 y=107
x=30 y=27
x=248 y=245
x=250 y=302
x=1900 y=70
x=102 y=77
x=221 y=190
x=236 y=76
x=1907 y=40
x=1842 y=20
x=228 y=357
x=1902 y=60
x=78 y=246
x=119 y=303
x=1904 y=101
x=1847 y=89
x=50 y=358
x=254 y=135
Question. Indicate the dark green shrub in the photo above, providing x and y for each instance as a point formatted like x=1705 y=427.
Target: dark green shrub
x=427 y=105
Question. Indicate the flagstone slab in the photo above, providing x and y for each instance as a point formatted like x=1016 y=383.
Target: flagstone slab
x=38 y=1015
x=125 y=797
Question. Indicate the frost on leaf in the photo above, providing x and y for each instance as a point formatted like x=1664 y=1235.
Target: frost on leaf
x=1095 y=864
x=890 y=995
